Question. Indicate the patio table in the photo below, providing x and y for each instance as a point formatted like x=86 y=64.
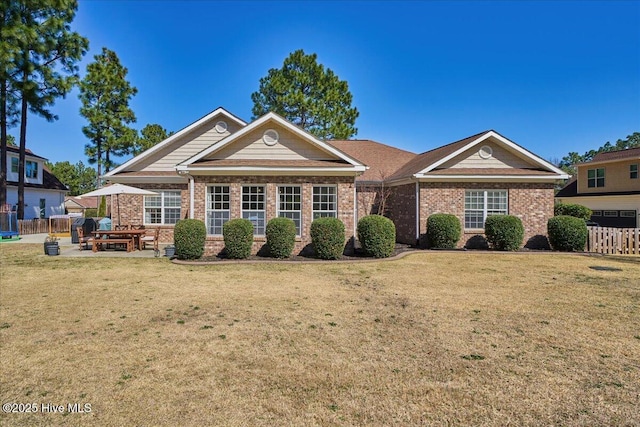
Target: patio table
x=103 y=236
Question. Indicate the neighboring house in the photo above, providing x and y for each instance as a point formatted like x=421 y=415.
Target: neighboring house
x=43 y=192
x=609 y=185
x=220 y=168
x=77 y=205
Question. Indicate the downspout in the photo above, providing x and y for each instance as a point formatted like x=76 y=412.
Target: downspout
x=418 y=213
x=192 y=197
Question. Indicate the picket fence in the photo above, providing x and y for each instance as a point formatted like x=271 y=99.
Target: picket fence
x=606 y=240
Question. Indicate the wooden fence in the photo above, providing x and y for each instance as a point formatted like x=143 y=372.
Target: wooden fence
x=606 y=240
x=33 y=226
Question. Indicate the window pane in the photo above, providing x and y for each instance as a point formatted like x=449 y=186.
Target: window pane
x=290 y=204
x=253 y=207
x=218 y=208
x=164 y=208
x=14 y=164
x=325 y=201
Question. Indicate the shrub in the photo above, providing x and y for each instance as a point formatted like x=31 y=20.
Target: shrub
x=102 y=209
x=327 y=237
x=90 y=213
x=443 y=231
x=567 y=233
x=188 y=237
x=281 y=237
x=238 y=238
x=504 y=232
x=577 y=211
x=377 y=235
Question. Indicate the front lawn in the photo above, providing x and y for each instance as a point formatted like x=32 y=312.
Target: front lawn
x=436 y=338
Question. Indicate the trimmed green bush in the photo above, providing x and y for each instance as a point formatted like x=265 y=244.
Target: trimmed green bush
x=102 y=209
x=567 y=233
x=577 y=211
x=504 y=232
x=188 y=237
x=327 y=237
x=377 y=236
x=443 y=231
x=238 y=238
x=281 y=237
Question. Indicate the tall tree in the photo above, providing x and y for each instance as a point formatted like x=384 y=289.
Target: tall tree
x=105 y=94
x=78 y=178
x=150 y=135
x=569 y=161
x=309 y=96
x=42 y=65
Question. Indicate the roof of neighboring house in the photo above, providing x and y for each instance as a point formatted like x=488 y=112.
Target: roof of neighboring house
x=85 y=202
x=571 y=190
x=27 y=151
x=608 y=156
x=382 y=160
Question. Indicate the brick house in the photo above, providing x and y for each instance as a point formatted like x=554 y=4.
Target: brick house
x=220 y=168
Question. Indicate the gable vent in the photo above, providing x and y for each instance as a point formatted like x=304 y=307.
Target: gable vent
x=270 y=137
x=221 y=127
x=485 y=152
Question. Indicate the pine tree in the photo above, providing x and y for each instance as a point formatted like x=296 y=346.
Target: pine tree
x=105 y=94
x=151 y=134
x=309 y=96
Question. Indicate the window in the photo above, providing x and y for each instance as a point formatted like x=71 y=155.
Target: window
x=253 y=207
x=31 y=169
x=218 y=210
x=290 y=205
x=595 y=178
x=633 y=171
x=479 y=204
x=611 y=213
x=163 y=208
x=628 y=214
x=325 y=202
x=596 y=213
x=14 y=165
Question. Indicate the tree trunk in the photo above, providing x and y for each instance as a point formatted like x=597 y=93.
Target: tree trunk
x=23 y=153
x=3 y=142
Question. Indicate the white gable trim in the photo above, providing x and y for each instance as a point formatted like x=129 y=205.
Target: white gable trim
x=489 y=178
x=259 y=122
x=512 y=145
x=175 y=136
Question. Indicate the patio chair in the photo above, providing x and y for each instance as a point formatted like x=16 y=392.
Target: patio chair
x=151 y=236
x=82 y=239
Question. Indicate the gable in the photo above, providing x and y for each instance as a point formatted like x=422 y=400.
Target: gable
x=253 y=146
x=488 y=155
x=187 y=146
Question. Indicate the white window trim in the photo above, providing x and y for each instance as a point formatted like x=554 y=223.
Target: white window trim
x=242 y=211
x=595 y=178
x=26 y=169
x=484 y=207
x=162 y=208
x=313 y=211
x=278 y=210
x=207 y=210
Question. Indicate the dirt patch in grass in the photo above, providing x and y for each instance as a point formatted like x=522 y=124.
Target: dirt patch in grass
x=436 y=338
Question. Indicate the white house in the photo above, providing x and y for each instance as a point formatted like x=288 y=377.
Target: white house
x=43 y=193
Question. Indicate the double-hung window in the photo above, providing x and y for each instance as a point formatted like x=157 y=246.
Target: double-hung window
x=290 y=204
x=163 y=208
x=633 y=171
x=325 y=201
x=595 y=178
x=31 y=169
x=479 y=204
x=218 y=208
x=253 y=207
x=14 y=165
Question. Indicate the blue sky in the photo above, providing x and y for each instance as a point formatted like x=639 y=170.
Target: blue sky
x=552 y=76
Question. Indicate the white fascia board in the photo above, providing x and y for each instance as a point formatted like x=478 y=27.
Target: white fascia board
x=265 y=170
x=169 y=140
x=259 y=122
x=177 y=179
x=488 y=178
x=512 y=145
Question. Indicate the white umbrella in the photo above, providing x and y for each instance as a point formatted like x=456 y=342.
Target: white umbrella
x=117 y=189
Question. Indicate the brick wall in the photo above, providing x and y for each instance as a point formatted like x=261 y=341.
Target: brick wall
x=532 y=203
x=402 y=211
x=345 y=194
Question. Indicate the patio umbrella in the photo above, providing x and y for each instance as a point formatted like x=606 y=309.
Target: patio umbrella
x=117 y=189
